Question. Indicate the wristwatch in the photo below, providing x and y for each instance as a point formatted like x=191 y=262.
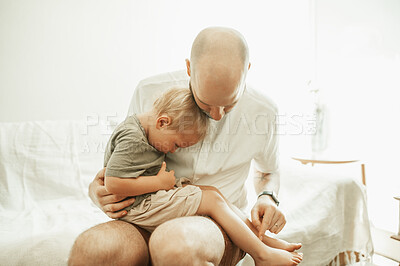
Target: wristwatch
x=272 y=194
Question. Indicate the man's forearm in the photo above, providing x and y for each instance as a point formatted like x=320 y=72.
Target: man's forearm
x=91 y=193
x=97 y=182
x=266 y=182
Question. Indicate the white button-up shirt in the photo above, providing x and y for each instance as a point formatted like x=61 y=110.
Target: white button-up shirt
x=223 y=158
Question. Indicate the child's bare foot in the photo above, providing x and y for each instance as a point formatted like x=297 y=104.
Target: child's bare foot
x=280 y=244
x=278 y=257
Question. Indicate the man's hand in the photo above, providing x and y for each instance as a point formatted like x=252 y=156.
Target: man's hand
x=110 y=204
x=166 y=179
x=266 y=216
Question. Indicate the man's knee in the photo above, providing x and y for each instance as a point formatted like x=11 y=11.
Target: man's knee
x=192 y=240
x=111 y=243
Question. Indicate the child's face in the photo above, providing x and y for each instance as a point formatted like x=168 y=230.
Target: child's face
x=167 y=140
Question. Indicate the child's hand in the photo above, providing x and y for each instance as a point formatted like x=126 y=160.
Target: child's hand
x=167 y=179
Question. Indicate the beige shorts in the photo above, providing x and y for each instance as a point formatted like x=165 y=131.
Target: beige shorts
x=163 y=206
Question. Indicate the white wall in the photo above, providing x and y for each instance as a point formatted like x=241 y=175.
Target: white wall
x=67 y=59
x=358 y=70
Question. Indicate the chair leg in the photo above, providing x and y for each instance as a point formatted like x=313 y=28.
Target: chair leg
x=363 y=174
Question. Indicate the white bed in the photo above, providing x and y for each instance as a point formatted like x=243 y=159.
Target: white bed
x=45 y=169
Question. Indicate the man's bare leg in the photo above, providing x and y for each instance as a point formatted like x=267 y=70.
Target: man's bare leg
x=192 y=240
x=111 y=243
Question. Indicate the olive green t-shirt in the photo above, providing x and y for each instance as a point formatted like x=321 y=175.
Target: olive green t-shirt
x=129 y=155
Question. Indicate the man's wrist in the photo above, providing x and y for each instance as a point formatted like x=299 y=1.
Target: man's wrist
x=271 y=194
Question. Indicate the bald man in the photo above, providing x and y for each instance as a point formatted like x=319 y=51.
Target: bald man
x=242 y=130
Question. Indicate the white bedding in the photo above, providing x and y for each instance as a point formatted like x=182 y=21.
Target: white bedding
x=45 y=169
x=326 y=212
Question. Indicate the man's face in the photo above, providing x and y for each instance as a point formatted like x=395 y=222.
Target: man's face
x=213 y=111
x=215 y=99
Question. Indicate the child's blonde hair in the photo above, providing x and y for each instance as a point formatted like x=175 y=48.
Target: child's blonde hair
x=180 y=106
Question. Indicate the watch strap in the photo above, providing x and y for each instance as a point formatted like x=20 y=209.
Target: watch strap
x=272 y=194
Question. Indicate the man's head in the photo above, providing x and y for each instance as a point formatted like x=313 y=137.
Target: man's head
x=179 y=122
x=218 y=66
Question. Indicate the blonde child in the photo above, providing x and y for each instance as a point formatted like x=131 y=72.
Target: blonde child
x=134 y=161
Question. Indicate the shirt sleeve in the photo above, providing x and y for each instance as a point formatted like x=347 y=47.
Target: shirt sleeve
x=144 y=95
x=267 y=160
x=147 y=91
x=135 y=107
x=131 y=158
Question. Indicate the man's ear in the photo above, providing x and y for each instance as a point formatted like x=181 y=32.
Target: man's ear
x=188 y=67
x=163 y=121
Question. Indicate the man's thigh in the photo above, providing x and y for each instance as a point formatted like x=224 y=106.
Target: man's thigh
x=111 y=243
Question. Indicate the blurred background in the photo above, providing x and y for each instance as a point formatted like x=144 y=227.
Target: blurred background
x=70 y=59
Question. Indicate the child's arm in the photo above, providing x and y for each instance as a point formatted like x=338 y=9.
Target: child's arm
x=142 y=184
